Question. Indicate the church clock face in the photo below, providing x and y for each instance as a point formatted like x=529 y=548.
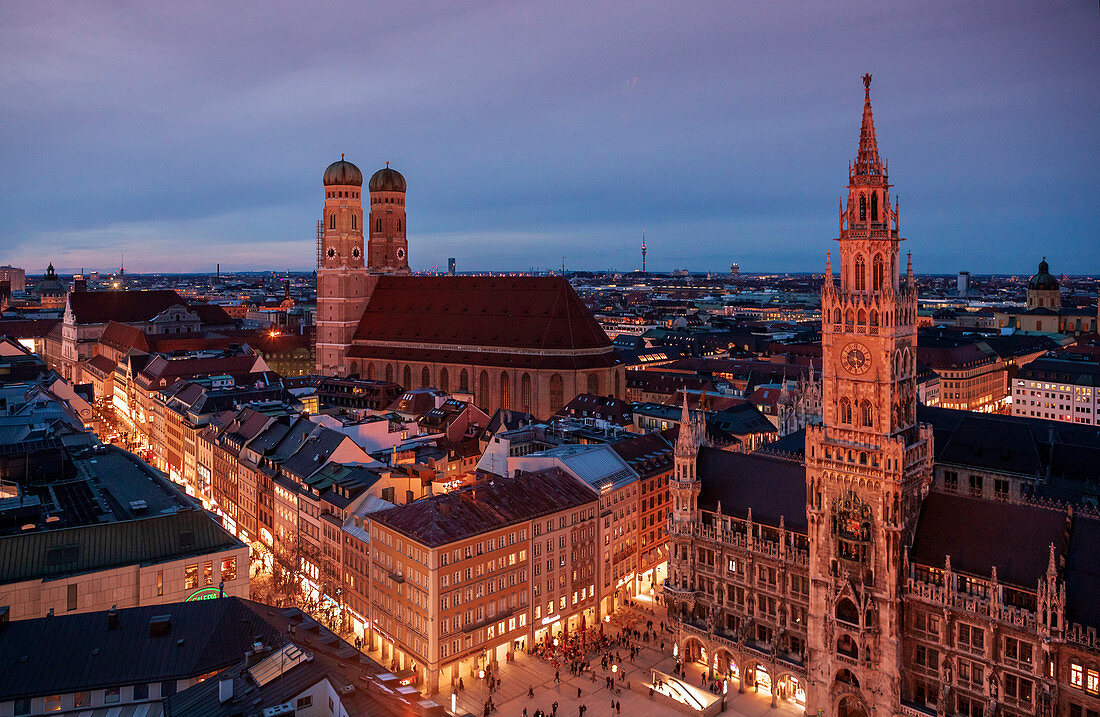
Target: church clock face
x=331 y=252
x=856 y=358
x=355 y=252
x=400 y=253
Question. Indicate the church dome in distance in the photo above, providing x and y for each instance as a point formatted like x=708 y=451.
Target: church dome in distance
x=387 y=180
x=343 y=172
x=1044 y=279
x=51 y=284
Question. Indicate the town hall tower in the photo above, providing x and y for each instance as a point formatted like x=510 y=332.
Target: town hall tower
x=869 y=464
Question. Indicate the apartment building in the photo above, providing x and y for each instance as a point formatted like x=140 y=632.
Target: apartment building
x=1059 y=387
x=452 y=587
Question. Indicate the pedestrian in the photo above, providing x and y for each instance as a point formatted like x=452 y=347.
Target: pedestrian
x=530 y=691
x=578 y=693
x=618 y=707
x=555 y=708
x=460 y=685
x=557 y=677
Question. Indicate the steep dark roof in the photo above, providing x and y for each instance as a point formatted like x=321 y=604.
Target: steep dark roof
x=1083 y=573
x=28 y=328
x=979 y=534
x=123 y=337
x=768 y=486
x=448 y=517
x=70 y=653
x=463 y=314
x=99 y=307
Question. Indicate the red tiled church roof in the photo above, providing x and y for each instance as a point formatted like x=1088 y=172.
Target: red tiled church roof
x=124 y=337
x=532 y=313
x=99 y=307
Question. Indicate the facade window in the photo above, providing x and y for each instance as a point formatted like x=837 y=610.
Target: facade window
x=505 y=392
x=22 y=707
x=464 y=381
x=304 y=702
x=82 y=699
x=112 y=695
x=53 y=703
x=353 y=222
x=444 y=381
x=191 y=576
x=229 y=568
x=525 y=393
x=1076 y=675
x=71 y=597
x=878 y=272
x=845 y=410
x=331 y=221
x=425 y=377
x=378 y=226
x=483 y=389
x=861 y=273
x=160 y=583
x=141 y=692
x=593 y=384
x=556 y=393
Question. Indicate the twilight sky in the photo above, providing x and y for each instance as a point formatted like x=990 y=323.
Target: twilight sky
x=187 y=133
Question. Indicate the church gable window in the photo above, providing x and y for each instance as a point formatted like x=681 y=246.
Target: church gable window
x=861 y=273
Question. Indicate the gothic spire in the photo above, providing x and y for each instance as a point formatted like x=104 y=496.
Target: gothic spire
x=868 y=161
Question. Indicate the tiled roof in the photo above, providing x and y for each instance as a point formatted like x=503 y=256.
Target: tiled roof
x=979 y=534
x=449 y=517
x=504 y=312
x=123 y=337
x=99 y=307
x=741 y=482
x=28 y=328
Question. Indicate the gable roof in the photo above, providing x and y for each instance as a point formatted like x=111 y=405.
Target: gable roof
x=99 y=307
x=467 y=314
x=123 y=337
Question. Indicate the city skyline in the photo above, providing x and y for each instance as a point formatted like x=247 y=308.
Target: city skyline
x=525 y=135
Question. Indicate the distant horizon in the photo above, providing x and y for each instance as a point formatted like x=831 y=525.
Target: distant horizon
x=187 y=134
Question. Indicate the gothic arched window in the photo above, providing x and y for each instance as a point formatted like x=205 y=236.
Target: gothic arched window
x=593 y=384
x=878 y=271
x=444 y=381
x=874 y=318
x=556 y=391
x=370 y=371
x=425 y=377
x=874 y=206
x=398 y=225
x=331 y=221
x=861 y=273
x=836 y=316
x=406 y=378
x=389 y=372
x=505 y=393
x=483 y=389
x=378 y=226
x=866 y=414
x=525 y=393
x=863 y=207
x=845 y=411
x=464 y=381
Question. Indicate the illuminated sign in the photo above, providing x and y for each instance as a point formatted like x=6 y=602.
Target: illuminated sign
x=203 y=594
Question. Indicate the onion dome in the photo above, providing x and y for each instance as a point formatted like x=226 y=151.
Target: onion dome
x=387 y=180
x=344 y=173
x=1044 y=279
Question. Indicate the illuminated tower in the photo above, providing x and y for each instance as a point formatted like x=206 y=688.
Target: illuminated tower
x=643 y=251
x=869 y=464
x=388 y=250
x=343 y=284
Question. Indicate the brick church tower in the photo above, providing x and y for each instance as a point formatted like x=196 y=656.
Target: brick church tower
x=388 y=250
x=343 y=282
x=868 y=465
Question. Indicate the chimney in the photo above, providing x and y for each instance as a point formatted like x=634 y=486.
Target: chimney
x=112 y=619
x=225 y=690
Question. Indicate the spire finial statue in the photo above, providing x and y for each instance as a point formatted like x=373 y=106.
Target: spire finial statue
x=867 y=83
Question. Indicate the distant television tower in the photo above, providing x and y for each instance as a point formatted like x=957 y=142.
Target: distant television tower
x=643 y=251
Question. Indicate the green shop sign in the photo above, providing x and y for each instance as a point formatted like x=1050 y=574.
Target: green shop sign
x=203 y=594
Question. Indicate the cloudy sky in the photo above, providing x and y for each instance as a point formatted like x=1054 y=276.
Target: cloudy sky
x=187 y=134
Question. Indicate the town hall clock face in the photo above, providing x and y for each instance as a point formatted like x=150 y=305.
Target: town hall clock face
x=400 y=253
x=856 y=358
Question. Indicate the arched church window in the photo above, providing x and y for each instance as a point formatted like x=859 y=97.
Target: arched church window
x=483 y=389
x=845 y=410
x=353 y=225
x=331 y=221
x=556 y=391
x=398 y=225
x=378 y=225
x=444 y=381
x=389 y=373
x=861 y=273
x=525 y=393
x=878 y=271
x=863 y=207
x=464 y=381
x=425 y=377
x=406 y=378
x=846 y=611
x=874 y=206
x=505 y=393
x=874 y=318
x=862 y=317
x=593 y=384
x=370 y=372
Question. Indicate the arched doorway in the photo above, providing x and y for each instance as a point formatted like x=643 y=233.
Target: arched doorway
x=850 y=706
x=724 y=663
x=790 y=688
x=694 y=650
